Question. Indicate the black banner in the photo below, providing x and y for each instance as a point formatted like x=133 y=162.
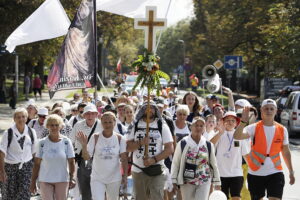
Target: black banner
x=75 y=66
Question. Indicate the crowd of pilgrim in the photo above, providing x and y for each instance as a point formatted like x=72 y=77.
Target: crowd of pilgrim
x=195 y=146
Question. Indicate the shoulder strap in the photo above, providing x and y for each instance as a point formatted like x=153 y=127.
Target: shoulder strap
x=92 y=131
x=31 y=135
x=189 y=124
x=208 y=148
x=209 y=151
x=120 y=128
x=33 y=122
x=74 y=121
x=159 y=126
x=9 y=136
x=182 y=144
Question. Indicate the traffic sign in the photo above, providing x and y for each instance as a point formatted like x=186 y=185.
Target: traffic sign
x=233 y=62
x=218 y=64
x=180 y=69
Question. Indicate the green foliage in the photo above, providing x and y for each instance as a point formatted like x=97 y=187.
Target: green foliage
x=148 y=71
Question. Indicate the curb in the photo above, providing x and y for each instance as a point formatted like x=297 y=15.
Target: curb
x=295 y=142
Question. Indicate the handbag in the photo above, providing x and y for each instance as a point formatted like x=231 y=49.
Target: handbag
x=152 y=170
x=189 y=171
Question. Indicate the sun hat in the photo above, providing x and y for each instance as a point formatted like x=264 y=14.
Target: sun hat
x=90 y=108
x=43 y=111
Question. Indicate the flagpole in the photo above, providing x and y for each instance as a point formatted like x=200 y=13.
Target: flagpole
x=96 y=52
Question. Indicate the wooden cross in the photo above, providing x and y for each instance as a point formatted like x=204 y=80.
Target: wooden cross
x=150 y=24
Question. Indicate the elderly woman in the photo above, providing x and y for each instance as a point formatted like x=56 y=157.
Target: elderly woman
x=182 y=128
x=194 y=164
x=16 y=153
x=106 y=149
x=191 y=100
x=54 y=164
x=66 y=128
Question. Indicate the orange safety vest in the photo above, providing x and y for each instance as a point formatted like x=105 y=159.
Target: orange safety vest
x=255 y=159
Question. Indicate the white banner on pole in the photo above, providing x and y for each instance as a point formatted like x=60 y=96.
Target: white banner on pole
x=48 y=21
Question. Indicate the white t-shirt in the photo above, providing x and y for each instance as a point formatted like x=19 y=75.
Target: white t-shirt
x=268 y=167
x=229 y=154
x=54 y=155
x=181 y=132
x=157 y=140
x=15 y=154
x=106 y=162
x=209 y=135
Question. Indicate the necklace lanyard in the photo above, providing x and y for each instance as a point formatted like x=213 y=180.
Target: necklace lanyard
x=230 y=142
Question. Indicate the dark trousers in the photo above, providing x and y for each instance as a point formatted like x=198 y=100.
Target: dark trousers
x=17 y=184
x=84 y=179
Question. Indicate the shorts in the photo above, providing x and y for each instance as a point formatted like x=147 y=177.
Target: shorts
x=273 y=183
x=232 y=185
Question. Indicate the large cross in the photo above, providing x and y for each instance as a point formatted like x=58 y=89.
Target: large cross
x=150 y=24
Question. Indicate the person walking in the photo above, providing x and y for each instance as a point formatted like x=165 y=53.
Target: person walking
x=149 y=186
x=88 y=126
x=229 y=156
x=106 y=149
x=194 y=165
x=38 y=124
x=17 y=147
x=27 y=85
x=268 y=140
x=37 y=86
x=54 y=163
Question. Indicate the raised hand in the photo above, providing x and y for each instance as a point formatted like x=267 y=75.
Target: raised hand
x=82 y=138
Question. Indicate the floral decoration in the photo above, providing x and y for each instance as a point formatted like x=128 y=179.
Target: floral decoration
x=149 y=71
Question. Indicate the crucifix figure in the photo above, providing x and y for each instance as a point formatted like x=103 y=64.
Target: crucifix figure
x=150 y=24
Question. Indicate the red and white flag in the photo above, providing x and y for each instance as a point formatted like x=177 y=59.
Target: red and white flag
x=119 y=65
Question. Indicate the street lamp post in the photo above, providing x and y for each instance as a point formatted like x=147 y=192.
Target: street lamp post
x=184 y=70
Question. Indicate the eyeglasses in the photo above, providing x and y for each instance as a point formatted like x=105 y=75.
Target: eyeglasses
x=74 y=110
x=54 y=125
x=42 y=116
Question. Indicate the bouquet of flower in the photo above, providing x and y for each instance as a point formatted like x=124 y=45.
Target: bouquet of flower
x=148 y=71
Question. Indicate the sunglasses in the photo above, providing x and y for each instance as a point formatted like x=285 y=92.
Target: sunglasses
x=42 y=116
x=74 y=110
x=54 y=125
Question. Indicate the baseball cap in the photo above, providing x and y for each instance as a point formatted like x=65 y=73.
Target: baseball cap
x=242 y=103
x=90 y=108
x=268 y=102
x=212 y=96
x=43 y=111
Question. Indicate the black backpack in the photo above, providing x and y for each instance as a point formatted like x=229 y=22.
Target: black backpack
x=10 y=135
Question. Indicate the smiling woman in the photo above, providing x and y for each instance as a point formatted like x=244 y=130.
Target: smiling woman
x=16 y=150
x=54 y=164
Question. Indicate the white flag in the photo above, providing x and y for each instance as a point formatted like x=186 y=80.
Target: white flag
x=48 y=21
x=179 y=9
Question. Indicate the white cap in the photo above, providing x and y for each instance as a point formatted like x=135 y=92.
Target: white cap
x=242 y=102
x=268 y=102
x=43 y=111
x=90 y=108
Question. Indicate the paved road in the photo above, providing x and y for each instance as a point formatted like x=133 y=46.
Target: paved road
x=293 y=192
